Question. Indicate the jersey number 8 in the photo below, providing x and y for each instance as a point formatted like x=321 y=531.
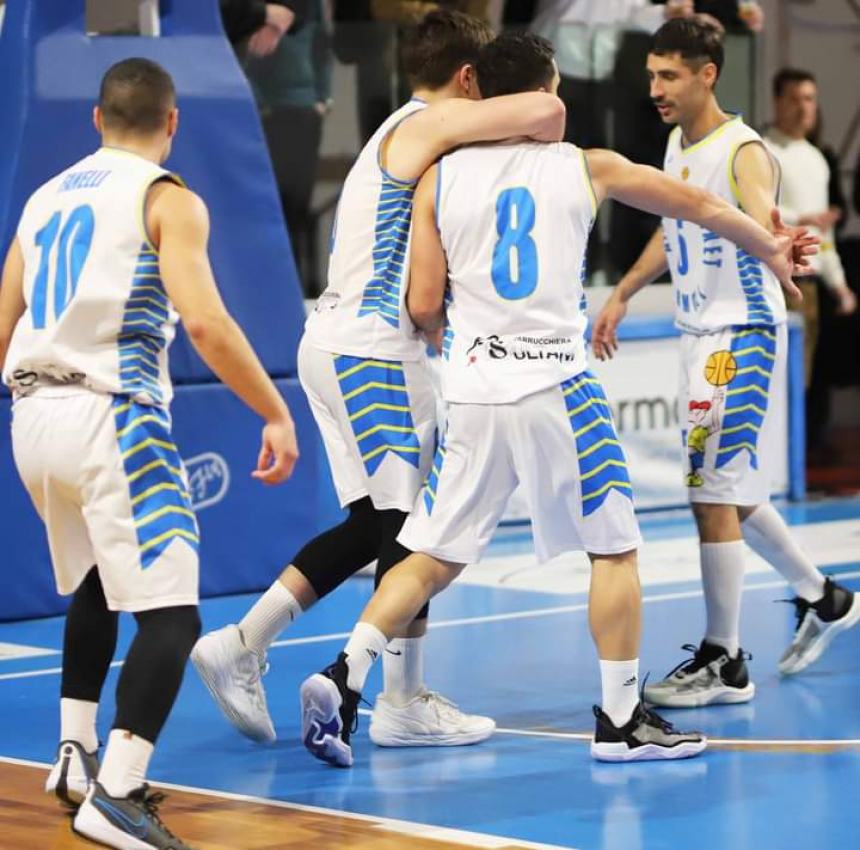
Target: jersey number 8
x=515 y=248
x=76 y=237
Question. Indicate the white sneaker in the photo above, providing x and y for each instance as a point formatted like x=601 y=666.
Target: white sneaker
x=817 y=624
x=427 y=720
x=71 y=773
x=232 y=672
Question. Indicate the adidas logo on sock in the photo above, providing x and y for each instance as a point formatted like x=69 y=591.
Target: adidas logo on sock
x=631 y=681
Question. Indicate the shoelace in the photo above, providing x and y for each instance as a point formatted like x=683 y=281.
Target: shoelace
x=690 y=665
x=151 y=800
x=443 y=706
x=651 y=718
x=801 y=608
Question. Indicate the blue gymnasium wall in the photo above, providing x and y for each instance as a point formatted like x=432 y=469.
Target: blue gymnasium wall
x=49 y=77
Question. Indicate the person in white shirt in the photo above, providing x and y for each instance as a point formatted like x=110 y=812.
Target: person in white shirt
x=732 y=315
x=804 y=200
x=497 y=266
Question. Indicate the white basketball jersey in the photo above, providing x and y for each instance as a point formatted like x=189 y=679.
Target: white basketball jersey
x=362 y=311
x=716 y=283
x=97 y=313
x=514 y=221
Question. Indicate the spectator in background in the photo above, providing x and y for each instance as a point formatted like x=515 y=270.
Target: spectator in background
x=262 y=24
x=804 y=200
x=292 y=87
x=366 y=35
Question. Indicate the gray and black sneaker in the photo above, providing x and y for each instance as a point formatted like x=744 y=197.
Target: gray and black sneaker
x=71 y=774
x=817 y=624
x=645 y=737
x=126 y=823
x=710 y=677
x=329 y=714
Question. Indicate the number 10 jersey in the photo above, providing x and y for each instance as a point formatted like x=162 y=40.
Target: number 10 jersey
x=97 y=314
x=514 y=221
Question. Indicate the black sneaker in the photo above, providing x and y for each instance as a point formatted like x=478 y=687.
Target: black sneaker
x=329 y=714
x=71 y=774
x=127 y=823
x=817 y=624
x=645 y=737
x=710 y=677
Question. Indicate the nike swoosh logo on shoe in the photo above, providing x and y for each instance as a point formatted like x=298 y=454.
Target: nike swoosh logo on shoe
x=138 y=828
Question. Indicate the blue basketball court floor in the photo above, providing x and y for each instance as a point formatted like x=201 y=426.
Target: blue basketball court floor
x=511 y=640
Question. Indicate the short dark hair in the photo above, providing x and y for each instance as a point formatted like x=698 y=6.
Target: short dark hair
x=435 y=48
x=698 y=41
x=136 y=95
x=515 y=62
x=786 y=76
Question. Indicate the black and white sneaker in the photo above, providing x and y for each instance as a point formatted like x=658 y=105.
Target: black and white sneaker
x=710 y=677
x=645 y=737
x=126 y=823
x=71 y=774
x=817 y=624
x=329 y=714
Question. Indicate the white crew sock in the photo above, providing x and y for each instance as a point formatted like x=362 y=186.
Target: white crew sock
x=403 y=669
x=78 y=723
x=723 y=583
x=125 y=763
x=620 y=685
x=365 y=645
x=767 y=535
x=269 y=616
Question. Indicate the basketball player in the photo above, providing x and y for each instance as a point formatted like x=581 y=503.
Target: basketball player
x=106 y=254
x=361 y=363
x=505 y=226
x=732 y=315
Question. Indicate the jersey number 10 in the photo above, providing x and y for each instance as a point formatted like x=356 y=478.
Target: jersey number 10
x=515 y=220
x=76 y=236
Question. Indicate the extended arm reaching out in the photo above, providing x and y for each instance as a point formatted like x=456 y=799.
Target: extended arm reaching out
x=179 y=223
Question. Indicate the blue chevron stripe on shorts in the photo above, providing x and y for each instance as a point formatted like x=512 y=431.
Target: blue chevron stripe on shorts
x=377 y=403
x=602 y=466
x=160 y=503
x=754 y=350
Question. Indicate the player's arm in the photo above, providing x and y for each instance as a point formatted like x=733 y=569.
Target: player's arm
x=651 y=190
x=421 y=139
x=179 y=223
x=428 y=268
x=12 y=303
x=650 y=265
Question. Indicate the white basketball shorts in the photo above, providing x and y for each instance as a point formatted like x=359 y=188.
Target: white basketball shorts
x=377 y=419
x=107 y=480
x=559 y=445
x=727 y=382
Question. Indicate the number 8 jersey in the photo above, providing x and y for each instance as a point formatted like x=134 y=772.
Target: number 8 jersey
x=97 y=313
x=716 y=283
x=514 y=221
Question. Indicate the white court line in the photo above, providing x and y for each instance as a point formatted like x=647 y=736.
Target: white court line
x=471 y=621
x=402 y=827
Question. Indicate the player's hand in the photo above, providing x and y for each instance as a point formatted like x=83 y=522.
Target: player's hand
x=278 y=453
x=604 y=334
x=795 y=246
x=434 y=338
